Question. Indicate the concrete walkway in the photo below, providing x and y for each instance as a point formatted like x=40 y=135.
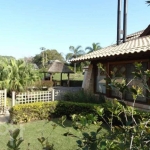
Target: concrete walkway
x=4 y=118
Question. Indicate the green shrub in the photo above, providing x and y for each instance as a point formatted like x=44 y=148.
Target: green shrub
x=70 y=108
x=32 y=111
x=83 y=97
x=40 y=110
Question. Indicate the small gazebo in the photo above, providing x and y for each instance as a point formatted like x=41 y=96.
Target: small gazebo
x=59 y=67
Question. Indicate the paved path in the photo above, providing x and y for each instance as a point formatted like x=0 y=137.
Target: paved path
x=4 y=118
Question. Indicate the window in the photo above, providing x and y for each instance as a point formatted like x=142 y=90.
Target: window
x=124 y=71
x=100 y=81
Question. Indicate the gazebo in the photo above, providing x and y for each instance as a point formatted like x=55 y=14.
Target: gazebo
x=59 y=67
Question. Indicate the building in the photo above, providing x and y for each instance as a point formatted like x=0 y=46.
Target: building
x=119 y=59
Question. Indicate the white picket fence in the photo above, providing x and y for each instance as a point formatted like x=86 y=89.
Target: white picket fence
x=3 y=99
x=40 y=96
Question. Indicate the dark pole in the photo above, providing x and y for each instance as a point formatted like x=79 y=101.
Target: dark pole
x=125 y=21
x=118 y=21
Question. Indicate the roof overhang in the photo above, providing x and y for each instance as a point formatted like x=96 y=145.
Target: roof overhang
x=131 y=47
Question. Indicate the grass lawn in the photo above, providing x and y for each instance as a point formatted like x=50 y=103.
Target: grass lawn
x=73 y=76
x=33 y=130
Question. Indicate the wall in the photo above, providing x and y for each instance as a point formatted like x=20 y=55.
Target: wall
x=89 y=79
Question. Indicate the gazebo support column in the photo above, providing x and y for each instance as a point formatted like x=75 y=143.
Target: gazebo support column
x=61 y=79
x=68 y=80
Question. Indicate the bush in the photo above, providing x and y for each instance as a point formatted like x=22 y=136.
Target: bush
x=83 y=97
x=45 y=110
x=70 y=108
x=33 y=111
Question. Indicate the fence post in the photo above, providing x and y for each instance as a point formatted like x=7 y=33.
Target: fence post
x=5 y=97
x=53 y=94
x=13 y=98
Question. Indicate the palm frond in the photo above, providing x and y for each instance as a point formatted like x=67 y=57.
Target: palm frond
x=148 y=2
x=78 y=47
x=89 y=48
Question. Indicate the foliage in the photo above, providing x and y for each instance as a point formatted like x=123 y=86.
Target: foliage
x=135 y=134
x=95 y=47
x=14 y=142
x=83 y=97
x=6 y=57
x=45 y=144
x=70 y=108
x=75 y=52
x=16 y=75
x=46 y=110
x=33 y=111
x=50 y=55
x=81 y=122
x=134 y=127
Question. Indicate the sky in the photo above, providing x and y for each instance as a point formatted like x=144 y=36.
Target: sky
x=27 y=25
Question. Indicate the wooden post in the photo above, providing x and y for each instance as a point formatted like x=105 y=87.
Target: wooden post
x=53 y=94
x=13 y=98
x=51 y=77
x=61 y=79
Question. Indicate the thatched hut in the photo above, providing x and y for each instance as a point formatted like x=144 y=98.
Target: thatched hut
x=59 y=67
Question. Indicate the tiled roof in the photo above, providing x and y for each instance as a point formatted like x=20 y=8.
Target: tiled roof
x=138 y=44
x=134 y=35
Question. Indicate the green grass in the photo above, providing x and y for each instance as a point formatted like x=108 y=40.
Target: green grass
x=73 y=76
x=33 y=130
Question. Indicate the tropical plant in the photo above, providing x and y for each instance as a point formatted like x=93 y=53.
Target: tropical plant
x=16 y=75
x=75 y=52
x=95 y=47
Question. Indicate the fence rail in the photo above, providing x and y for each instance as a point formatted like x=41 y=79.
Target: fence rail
x=40 y=96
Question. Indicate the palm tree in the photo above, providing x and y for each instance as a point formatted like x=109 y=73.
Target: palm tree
x=76 y=52
x=43 y=56
x=95 y=47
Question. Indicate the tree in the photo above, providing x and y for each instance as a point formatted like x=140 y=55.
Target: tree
x=43 y=56
x=48 y=55
x=76 y=52
x=95 y=47
x=7 y=57
x=28 y=59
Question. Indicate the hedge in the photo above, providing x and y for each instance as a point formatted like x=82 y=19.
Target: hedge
x=44 y=110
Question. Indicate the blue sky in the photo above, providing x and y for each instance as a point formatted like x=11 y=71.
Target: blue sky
x=27 y=25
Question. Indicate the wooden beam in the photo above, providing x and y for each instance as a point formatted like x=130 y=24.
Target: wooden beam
x=61 y=79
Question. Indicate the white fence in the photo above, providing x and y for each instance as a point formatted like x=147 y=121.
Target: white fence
x=3 y=99
x=40 y=96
